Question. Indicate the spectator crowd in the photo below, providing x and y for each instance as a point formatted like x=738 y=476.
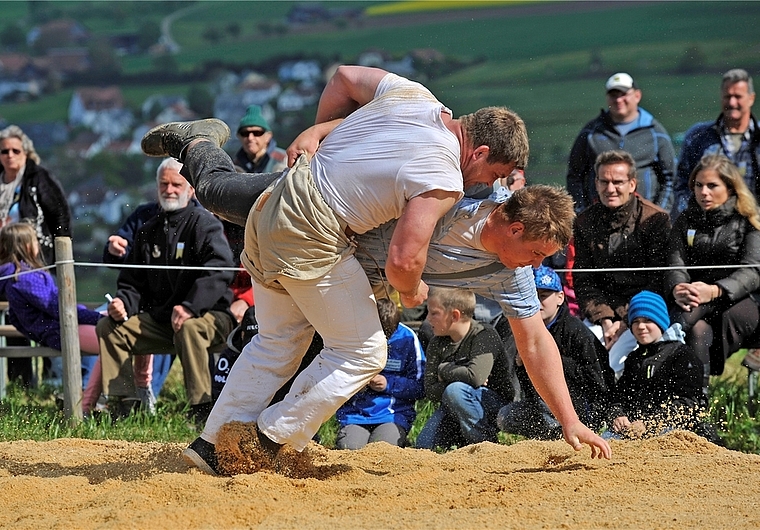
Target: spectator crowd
x=659 y=285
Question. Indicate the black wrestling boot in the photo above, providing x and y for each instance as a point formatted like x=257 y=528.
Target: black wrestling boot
x=202 y=454
x=170 y=139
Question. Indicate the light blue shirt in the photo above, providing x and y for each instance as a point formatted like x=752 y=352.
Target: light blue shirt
x=465 y=267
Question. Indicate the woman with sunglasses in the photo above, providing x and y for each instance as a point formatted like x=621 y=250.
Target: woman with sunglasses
x=29 y=191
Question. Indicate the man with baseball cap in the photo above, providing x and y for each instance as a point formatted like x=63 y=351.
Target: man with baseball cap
x=624 y=125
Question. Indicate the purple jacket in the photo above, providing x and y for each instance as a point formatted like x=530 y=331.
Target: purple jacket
x=33 y=305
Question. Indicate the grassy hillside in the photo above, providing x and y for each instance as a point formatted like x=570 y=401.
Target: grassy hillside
x=536 y=57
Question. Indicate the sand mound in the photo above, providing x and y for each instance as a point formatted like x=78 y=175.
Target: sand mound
x=675 y=481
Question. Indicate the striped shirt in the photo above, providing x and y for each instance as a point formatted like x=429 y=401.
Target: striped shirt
x=456 y=258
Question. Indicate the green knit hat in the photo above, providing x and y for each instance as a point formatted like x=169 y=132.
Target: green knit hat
x=254 y=118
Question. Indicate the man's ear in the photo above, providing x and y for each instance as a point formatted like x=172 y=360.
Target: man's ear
x=456 y=315
x=516 y=229
x=561 y=296
x=481 y=152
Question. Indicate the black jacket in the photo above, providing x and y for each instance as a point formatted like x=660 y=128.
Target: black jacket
x=633 y=235
x=478 y=359
x=585 y=365
x=42 y=200
x=191 y=237
x=661 y=385
x=721 y=236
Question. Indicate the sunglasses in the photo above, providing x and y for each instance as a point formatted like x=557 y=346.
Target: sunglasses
x=13 y=150
x=255 y=132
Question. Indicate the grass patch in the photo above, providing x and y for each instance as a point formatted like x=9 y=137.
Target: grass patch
x=32 y=414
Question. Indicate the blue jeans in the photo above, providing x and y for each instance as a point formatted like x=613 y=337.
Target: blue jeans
x=162 y=363
x=466 y=416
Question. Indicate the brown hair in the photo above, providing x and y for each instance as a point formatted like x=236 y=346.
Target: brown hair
x=460 y=299
x=16 y=243
x=502 y=130
x=546 y=212
x=607 y=158
x=746 y=204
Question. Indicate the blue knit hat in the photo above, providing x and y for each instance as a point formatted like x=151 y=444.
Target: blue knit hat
x=547 y=279
x=254 y=118
x=649 y=305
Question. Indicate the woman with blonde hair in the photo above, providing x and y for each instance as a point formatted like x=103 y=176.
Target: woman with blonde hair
x=717 y=305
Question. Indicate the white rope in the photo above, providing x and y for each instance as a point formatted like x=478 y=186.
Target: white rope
x=235 y=269
x=170 y=267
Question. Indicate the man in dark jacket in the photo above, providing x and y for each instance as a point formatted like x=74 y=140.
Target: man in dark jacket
x=735 y=134
x=158 y=309
x=629 y=127
x=623 y=230
x=584 y=364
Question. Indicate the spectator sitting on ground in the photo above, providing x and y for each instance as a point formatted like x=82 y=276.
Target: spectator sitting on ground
x=621 y=231
x=465 y=371
x=735 y=134
x=717 y=306
x=661 y=386
x=627 y=127
x=181 y=310
x=384 y=410
x=584 y=363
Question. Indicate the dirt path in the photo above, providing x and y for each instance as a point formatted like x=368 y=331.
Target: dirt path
x=678 y=481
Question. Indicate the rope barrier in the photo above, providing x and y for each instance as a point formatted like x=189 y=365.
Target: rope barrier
x=235 y=269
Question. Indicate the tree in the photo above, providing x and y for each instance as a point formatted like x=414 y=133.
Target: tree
x=148 y=34
x=692 y=61
x=12 y=36
x=213 y=34
x=165 y=63
x=200 y=100
x=103 y=57
x=233 y=30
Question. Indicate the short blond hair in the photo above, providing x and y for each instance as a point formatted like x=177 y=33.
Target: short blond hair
x=450 y=298
x=546 y=212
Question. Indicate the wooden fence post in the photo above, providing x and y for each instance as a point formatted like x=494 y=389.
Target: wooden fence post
x=67 y=307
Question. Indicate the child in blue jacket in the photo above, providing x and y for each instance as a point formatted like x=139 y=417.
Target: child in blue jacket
x=384 y=410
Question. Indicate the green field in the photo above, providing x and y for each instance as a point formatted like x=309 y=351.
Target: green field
x=534 y=57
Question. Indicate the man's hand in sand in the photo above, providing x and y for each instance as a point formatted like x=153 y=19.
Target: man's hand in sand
x=578 y=434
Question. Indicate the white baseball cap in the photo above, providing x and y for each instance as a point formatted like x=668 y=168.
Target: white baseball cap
x=620 y=81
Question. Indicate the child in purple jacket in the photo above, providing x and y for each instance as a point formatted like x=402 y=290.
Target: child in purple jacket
x=32 y=296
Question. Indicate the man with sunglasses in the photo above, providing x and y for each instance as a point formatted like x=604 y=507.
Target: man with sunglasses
x=622 y=230
x=258 y=150
x=624 y=125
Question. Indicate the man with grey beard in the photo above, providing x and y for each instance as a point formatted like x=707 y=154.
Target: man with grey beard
x=170 y=310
